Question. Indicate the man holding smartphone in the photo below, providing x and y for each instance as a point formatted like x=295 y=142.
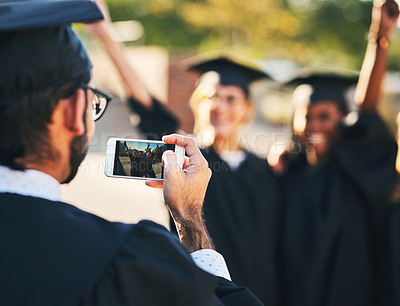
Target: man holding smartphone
x=53 y=253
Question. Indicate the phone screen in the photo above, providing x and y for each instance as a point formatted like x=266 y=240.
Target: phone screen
x=139 y=159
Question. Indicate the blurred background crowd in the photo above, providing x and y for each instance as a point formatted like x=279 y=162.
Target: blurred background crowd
x=279 y=36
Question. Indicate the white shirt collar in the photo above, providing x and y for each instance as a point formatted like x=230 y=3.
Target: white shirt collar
x=233 y=158
x=29 y=183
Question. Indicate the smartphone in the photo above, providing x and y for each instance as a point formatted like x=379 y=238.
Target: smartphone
x=137 y=158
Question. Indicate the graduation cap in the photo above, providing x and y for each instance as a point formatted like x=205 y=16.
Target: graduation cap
x=38 y=48
x=19 y=15
x=314 y=87
x=231 y=72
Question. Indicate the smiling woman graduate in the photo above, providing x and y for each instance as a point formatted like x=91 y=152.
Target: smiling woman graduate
x=241 y=203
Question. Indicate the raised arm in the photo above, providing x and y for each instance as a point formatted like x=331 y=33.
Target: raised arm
x=155 y=118
x=133 y=83
x=384 y=17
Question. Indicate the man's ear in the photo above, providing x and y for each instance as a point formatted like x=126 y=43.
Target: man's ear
x=74 y=112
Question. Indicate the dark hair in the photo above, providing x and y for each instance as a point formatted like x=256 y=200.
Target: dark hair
x=24 y=121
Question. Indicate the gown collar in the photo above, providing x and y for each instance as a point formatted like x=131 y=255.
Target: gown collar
x=29 y=183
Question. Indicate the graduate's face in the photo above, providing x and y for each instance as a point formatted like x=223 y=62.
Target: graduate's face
x=321 y=121
x=230 y=109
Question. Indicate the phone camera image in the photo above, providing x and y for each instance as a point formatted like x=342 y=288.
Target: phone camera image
x=139 y=159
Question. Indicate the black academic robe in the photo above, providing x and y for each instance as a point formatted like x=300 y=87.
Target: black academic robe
x=55 y=254
x=155 y=122
x=332 y=217
x=390 y=276
x=241 y=214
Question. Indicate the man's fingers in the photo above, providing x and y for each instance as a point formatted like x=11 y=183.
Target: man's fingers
x=196 y=160
x=183 y=141
x=155 y=183
x=185 y=162
x=170 y=162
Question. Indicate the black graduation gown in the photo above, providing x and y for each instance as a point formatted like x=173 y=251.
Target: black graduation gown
x=155 y=122
x=55 y=254
x=390 y=282
x=241 y=214
x=332 y=216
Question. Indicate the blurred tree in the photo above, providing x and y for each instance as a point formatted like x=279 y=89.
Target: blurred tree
x=311 y=32
x=162 y=22
x=335 y=30
x=243 y=25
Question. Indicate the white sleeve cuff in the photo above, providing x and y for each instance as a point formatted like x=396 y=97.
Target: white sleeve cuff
x=212 y=262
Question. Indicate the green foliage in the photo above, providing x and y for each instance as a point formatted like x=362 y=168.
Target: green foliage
x=311 y=32
x=162 y=22
x=338 y=31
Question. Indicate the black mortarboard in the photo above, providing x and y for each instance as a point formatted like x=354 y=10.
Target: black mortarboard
x=231 y=72
x=19 y=15
x=325 y=86
x=38 y=48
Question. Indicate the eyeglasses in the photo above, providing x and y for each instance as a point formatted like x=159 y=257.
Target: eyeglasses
x=230 y=100
x=99 y=102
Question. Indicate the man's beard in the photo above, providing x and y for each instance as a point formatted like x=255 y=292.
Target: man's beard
x=78 y=150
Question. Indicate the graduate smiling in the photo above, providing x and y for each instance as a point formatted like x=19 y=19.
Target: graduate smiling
x=336 y=189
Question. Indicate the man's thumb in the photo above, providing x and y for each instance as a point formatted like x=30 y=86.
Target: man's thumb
x=170 y=161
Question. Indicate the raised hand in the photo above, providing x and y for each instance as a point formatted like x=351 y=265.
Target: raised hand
x=384 y=17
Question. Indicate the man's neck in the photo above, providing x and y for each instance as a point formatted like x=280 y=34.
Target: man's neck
x=226 y=143
x=51 y=169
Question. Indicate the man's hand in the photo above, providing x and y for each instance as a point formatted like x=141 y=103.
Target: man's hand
x=184 y=191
